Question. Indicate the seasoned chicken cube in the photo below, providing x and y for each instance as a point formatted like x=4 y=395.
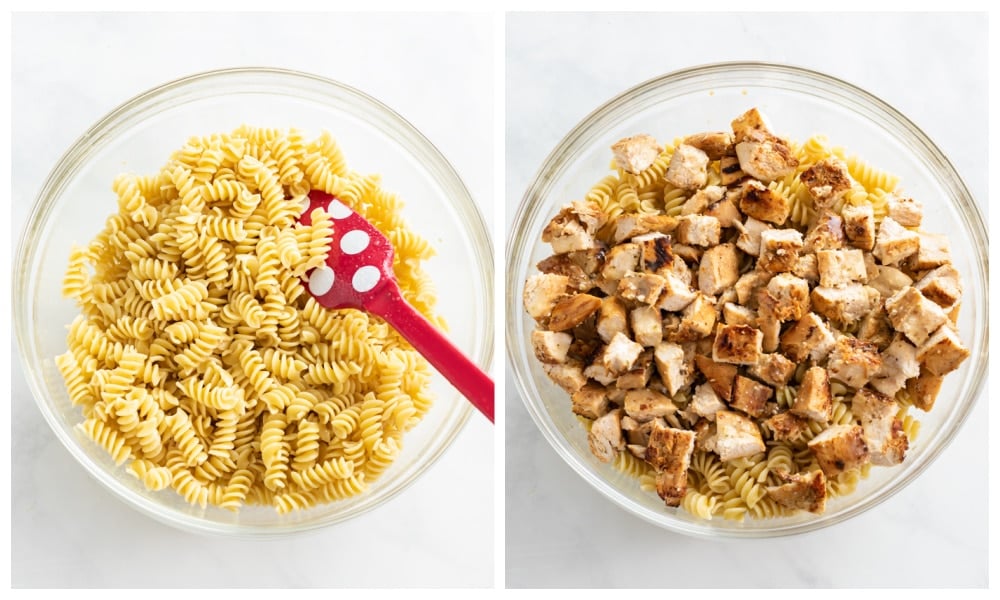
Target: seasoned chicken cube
x=934 y=251
x=621 y=354
x=669 y=452
x=676 y=294
x=889 y=280
x=705 y=434
x=807 y=267
x=941 y=285
x=884 y=436
x=750 y=396
x=827 y=233
x=697 y=319
x=779 y=249
x=844 y=304
x=773 y=369
x=737 y=436
x=924 y=388
x=638 y=376
x=637 y=433
x=605 y=436
x=591 y=401
x=718 y=375
x=701 y=199
x=550 y=346
x=636 y=153
x=729 y=169
x=749 y=123
x=629 y=225
x=899 y=363
x=715 y=144
x=809 y=338
x=646 y=405
x=841 y=267
x=914 y=315
x=765 y=157
x=597 y=371
x=801 y=491
x=719 y=269
x=749 y=238
x=688 y=168
x=736 y=314
x=859 y=225
x=876 y=329
x=943 y=352
x=574 y=227
x=568 y=375
x=853 y=361
x=562 y=264
x=572 y=310
x=612 y=318
x=763 y=204
x=655 y=252
x=737 y=344
x=894 y=243
x=698 y=230
x=643 y=288
x=647 y=325
x=814 y=400
x=748 y=285
x=770 y=327
x=672 y=366
x=621 y=260
x=786 y=426
x=705 y=402
x=905 y=211
x=826 y=181
x=725 y=211
x=786 y=298
x=840 y=448
x=541 y=292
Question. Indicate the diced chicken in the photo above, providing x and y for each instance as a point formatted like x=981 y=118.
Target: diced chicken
x=773 y=369
x=765 y=157
x=669 y=452
x=809 y=338
x=705 y=402
x=591 y=401
x=574 y=227
x=924 y=388
x=905 y=211
x=621 y=354
x=914 y=315
x=889 y=280
x=701 y=199
x=736 y=314
x=749 y=238
x=786 y=426
x=642 y=288
x=621 y=260
x=801 y=491
x=786 y=298
x=688 y=168
x=691 y=254
x=827 y=233
x=629 y=225
x=676 y=295
x=943 y=351
x=597 y=370
x=899 y=363
x=541 y=292
x=853 y=361
x=636 y=153
x=826 y=181
x=844 y=304
x=763 y=204
x=612 y=318
x=841 y=267
x=747 y=285
x=737 y=345
x=705 y=434
x=718 y=375
x=671 y=365
x=729 y=169
x=647 y=325
x=572 y=310
x=568 y=375
x=638 y=376
x=859 y=225
x=697 y=319
x=719 y=269
x=698 y=230
x=605 y=436
x=840 y=448
x=637 y=433
x=550 y=346
x=655 y=253
x=771 y=328
x=725 y=211
x=562 y=264
x=715 y=144
x=814 y=400
x=894 y=242
x=636 y=451
x=807 y=267
x=876 y=329
x=941 y=285
x=645 y=405
x=749 y=123
x=884 y=435
x=779 y=249
x=737 y=436
x=750 y=396
x=934 y=251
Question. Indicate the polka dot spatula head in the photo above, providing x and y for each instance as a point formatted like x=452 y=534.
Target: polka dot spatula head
x=358 y=274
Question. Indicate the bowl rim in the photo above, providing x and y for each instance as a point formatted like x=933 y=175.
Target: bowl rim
x=965 y=202
x=377 y=114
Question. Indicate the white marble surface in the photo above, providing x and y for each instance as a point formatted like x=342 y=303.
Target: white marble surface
x=560 y=531
x=69 y=70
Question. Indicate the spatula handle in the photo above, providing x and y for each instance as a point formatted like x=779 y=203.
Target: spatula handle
x=467 y=378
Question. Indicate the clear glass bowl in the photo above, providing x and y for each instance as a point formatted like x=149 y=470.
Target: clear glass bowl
x=800 y=103
x=139 y=136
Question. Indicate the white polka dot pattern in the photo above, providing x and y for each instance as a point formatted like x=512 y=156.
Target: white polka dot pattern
x=354 y=242
x=365 y=278
x=338 y=210
x=321 y=281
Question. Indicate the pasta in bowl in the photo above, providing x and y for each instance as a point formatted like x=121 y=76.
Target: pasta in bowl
x=196 y=360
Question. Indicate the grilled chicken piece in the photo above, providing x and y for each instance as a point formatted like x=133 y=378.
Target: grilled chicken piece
x=827 y=233
x=725 y=211
x=612 y=318
x=669 y=452
x=562 y=264
x=645 y=405
x=787 y=426
x=715 y=144
x=765 y=157
x=876 y=329
x=809 y=338
x=574 y=227
x=676 y=294
x=747 y=286
x=943 y=352
x=934 y=251
x=620 y=261
x=568 y=375
x=698 y=230
x=883 y=432
x=671 y=365
x=941 y=285
x=700 y=200
x=905 y=211
x=899 y=363
x=914 y=315
x=635 y=154
x=841 y=267
x=641 y=288
x=779 y=250
x=826 y=181
x=737 y=345
x=889 y=280
x=736 y=314
x=845 y=304
x=859 y=226
x=840 y=448
x=572 y=310
x=894 y=242
x=550 y=346
x=697 y=319
x=786 y=298
x=719 y=269
x=773 y=369
x=736 y=436
x=853 y=361
x=762 y=203
x=749 y=238
x=591 y=401
x=647 y=325
x=814 y=400
x=750 y=396
x=705 y=402
x=729 y=168
x=638 y=376
x=924 y=389
x=605 y=436
x=801 y=491
x=629 y=225
x=541 y=292
x=720 y=376
x=688 y=168
x=621 y=354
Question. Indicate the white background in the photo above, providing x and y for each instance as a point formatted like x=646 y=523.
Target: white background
x=560 y=531
x=67 y=72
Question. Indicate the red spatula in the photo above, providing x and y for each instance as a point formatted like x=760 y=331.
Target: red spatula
x=358 y=274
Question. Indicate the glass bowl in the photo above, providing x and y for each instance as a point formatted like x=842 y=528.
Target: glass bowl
x=800 y=103
x=139 y=137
